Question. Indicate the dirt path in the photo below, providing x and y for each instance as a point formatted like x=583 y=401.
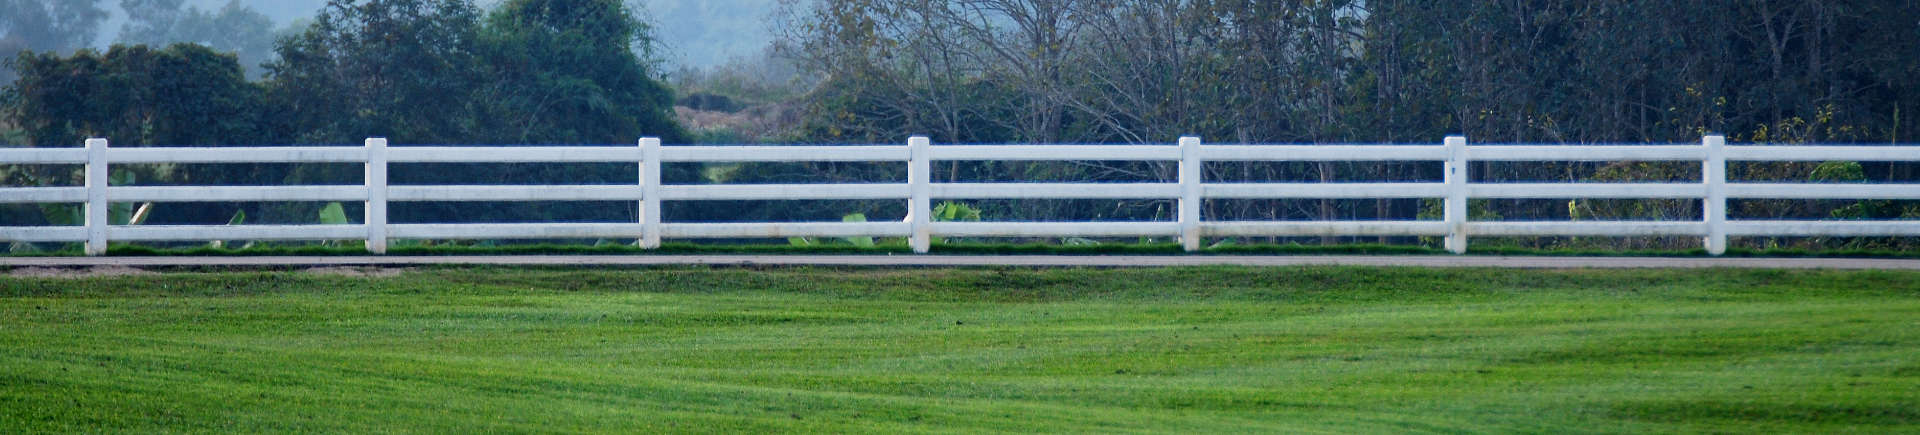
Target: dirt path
x=968 y=260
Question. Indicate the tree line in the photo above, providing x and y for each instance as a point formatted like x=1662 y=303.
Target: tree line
x=413 y=71
x=1374 y=71
x=1552 y=71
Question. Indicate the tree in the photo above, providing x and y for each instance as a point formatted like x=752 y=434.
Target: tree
x=402 y=69
x=889 y=69
x=183 y=94
x=569 y=71
x=45 y=25
x=151 y=21
x=233 y=28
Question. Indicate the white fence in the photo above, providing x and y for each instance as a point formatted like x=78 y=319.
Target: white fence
x=919 y=191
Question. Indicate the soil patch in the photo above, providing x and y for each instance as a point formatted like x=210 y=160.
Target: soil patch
x=75 y=272
x=359 y=272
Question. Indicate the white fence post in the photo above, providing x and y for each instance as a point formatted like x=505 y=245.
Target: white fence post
x=920 y=182
x=376 y=181
x=1456 y=203
x=1190 y=167
x=1714 y=207
x=96 y=208
x=649 y=192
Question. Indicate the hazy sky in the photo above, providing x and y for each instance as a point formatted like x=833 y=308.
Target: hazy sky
x=697 y=32
x=708 y=32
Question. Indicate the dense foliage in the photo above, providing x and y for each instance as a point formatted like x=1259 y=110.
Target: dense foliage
x=180 y=94
x=416 y=71
x=570 y=72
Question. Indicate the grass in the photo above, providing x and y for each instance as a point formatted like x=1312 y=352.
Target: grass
x=970 y=248
x=1217 y=349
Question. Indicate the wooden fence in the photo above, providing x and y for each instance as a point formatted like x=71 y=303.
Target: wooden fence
x=920 y=191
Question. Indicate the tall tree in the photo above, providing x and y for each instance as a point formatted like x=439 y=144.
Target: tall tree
x=403 y=69
x=183 y=94
x=234 y=28
x=46 y=25
x=180 y=95
x=571 y=71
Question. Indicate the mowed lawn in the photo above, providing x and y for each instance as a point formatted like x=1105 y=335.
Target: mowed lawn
x=1219 y=349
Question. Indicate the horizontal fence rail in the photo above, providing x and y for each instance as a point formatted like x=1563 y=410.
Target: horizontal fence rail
x=919 y=191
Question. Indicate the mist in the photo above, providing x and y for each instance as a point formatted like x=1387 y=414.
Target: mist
x=694 y=33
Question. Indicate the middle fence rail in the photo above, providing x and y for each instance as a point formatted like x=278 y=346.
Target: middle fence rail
x=1190 y=191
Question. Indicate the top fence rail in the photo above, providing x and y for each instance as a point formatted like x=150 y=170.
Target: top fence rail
x=1190 y=191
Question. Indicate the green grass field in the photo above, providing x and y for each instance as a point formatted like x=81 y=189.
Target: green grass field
x=966 y=350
